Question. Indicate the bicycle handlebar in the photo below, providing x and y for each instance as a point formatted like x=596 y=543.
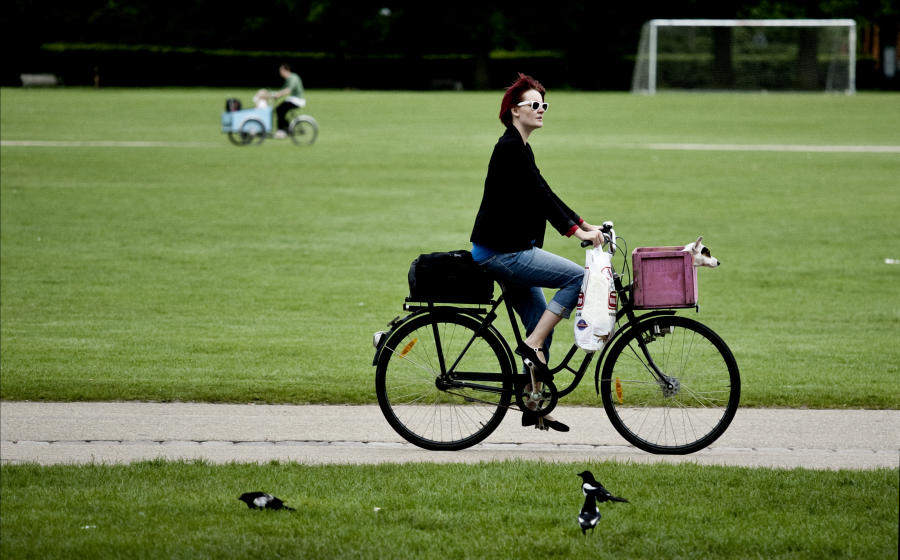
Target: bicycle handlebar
x=609 y=237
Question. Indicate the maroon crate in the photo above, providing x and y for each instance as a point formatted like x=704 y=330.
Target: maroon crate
x=664 y=277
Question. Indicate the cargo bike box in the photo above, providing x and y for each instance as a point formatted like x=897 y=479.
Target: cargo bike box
x=664 y=278
x=249 y=121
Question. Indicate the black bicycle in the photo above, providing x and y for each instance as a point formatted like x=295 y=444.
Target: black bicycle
x=445 y=375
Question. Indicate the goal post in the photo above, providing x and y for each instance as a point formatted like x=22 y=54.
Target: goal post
x=746 y=55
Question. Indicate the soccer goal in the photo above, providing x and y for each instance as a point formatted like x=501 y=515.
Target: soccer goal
x=746 y=55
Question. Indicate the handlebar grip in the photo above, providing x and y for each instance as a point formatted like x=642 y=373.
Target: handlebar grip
x=606 y=239
x=605 y=228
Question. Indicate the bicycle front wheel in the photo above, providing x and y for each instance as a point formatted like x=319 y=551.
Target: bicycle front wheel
x=304 y=130
x=693 y=402
x=439 y=385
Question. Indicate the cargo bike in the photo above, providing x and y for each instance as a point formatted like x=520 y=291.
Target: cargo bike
x=246 y=127
x=445 y=375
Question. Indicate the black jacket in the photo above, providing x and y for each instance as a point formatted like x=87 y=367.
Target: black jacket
x=517 y=201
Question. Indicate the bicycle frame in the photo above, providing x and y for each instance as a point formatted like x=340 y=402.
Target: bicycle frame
x=449 y=377
x=486 y=317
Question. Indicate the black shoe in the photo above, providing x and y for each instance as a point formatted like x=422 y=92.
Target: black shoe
x=530 y=354
x=555 y=425
x=542 y=423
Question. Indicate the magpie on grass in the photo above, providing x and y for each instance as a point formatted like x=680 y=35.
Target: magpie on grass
x=261 y=500
x=590 y=514
x=590 y=487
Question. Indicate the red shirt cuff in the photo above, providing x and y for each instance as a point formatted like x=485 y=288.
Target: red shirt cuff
x=572 y=230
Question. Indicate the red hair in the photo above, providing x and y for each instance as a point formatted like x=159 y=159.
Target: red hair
x=514 y=93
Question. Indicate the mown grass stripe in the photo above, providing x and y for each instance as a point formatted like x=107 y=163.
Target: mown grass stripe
x=848 y=149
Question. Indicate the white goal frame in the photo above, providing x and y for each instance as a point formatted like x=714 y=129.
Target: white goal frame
x=651 y=28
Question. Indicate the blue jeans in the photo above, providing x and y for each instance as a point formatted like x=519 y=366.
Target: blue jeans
x=526 y=272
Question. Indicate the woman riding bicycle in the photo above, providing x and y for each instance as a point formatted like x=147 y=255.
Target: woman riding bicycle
x=509 y=230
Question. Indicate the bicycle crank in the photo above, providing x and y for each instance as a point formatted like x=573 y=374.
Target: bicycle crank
x=539 y=398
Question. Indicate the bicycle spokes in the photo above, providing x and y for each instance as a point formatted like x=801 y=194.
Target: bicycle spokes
x=441 y=386
x=670 y=385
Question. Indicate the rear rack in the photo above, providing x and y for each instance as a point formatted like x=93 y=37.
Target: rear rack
x=479 y=308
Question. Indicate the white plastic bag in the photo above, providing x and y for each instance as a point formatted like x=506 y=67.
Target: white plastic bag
x=595 y=317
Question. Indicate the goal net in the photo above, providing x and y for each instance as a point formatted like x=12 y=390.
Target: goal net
x=746 y=55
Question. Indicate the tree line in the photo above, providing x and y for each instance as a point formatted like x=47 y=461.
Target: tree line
x=592 y=32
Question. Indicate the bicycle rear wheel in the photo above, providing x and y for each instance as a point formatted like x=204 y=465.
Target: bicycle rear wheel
x=687 y=410
x=252 y=130
x=440 y=388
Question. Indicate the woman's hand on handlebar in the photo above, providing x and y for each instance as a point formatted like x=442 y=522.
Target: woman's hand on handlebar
x=593 y=236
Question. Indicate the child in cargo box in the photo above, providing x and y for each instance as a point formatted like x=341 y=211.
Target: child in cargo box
x=509 y=230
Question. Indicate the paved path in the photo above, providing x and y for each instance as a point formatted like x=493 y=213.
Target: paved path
x=50 y=433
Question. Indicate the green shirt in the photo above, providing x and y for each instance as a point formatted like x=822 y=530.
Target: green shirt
x=295 y=84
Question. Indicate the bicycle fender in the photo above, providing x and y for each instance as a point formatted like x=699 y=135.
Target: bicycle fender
x=392 y=328
x=628 y=327
x=396 y=322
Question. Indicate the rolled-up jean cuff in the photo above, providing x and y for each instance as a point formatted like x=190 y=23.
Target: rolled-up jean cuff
x=558 y=309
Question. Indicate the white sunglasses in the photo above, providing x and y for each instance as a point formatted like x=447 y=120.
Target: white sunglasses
x=535 y=105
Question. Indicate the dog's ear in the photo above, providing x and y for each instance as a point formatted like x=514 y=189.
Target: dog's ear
x=699 y=239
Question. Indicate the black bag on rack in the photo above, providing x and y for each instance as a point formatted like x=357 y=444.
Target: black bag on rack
x=449 y=277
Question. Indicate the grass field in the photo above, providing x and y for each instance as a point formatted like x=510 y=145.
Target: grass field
x=202 y=271
x=494 y=510
x=195 y=270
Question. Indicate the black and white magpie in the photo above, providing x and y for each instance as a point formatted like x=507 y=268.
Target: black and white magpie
x=261 y=500
x=590 y=514
x=590 y=487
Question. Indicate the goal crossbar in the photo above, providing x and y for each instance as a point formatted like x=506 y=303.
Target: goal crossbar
x=753 y=22
x=653 y=26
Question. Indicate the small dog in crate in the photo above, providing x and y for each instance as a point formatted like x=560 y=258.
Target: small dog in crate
x=701 y=254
